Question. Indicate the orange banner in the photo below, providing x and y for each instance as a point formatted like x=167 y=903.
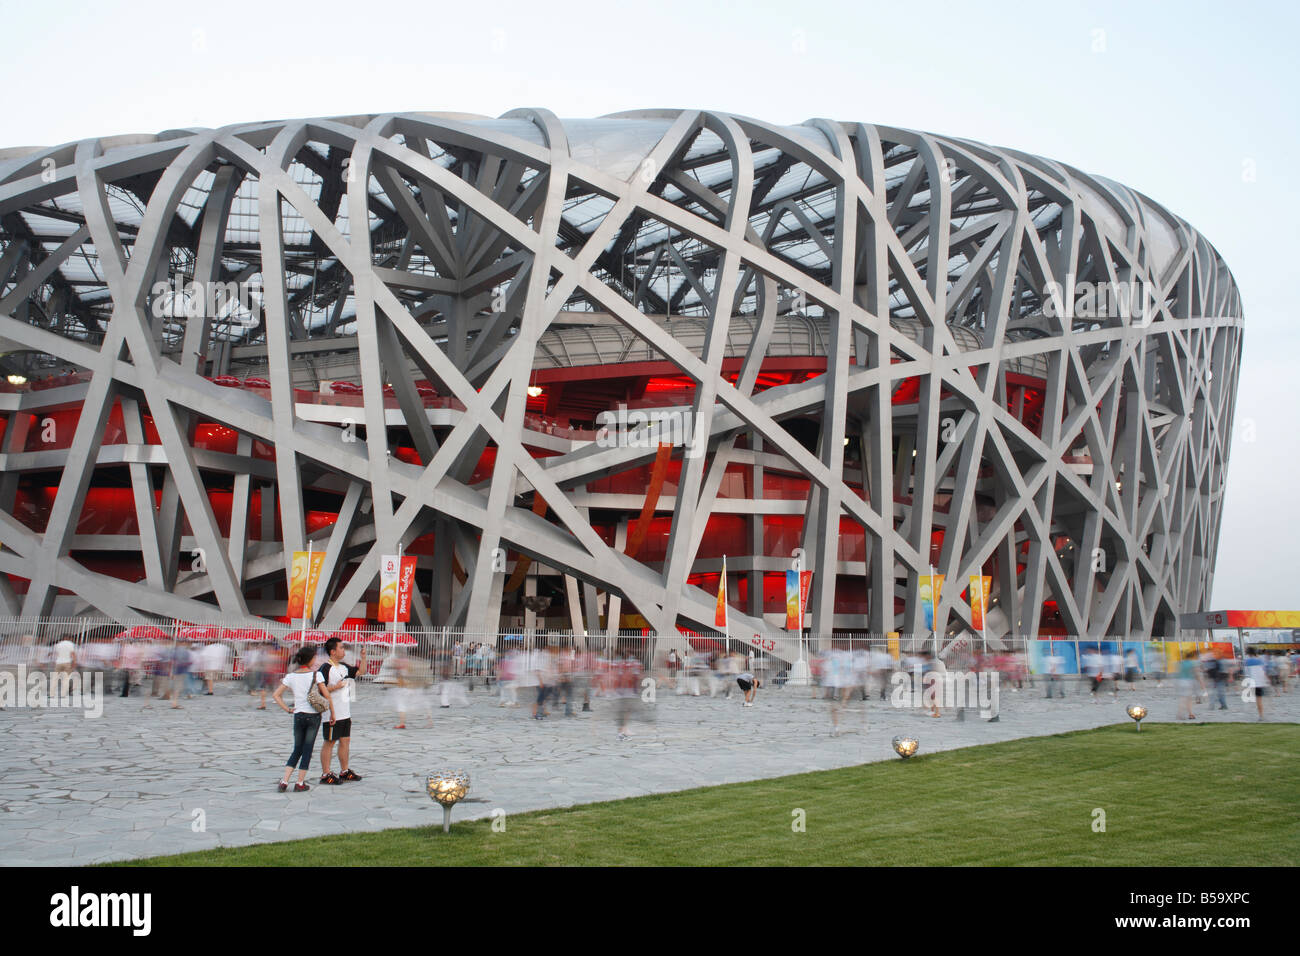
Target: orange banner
x=1262 y=619
x=1208 y=620
x=303 y=578
x=720 y=614
x=979 y=597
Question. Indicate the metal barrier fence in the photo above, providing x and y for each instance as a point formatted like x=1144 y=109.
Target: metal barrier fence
x=255 y=653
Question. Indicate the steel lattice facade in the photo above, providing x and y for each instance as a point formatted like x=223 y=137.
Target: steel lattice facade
x=893 y=350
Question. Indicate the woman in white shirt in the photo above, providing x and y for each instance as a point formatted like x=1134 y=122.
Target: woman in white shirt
x=306 y=722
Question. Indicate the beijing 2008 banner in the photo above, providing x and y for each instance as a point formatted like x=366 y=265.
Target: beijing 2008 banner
x=979 y=598
x=796 y=597
x=930 y=596
x=304 y=575
x=396 y=580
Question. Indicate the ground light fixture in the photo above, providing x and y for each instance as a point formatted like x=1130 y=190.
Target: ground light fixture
x=905 y=746
x=448 y=788
x=1137 y=712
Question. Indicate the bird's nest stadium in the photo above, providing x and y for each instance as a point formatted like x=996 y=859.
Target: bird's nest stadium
x=572 y=364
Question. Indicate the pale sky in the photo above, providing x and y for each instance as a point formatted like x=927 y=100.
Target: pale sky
x=1193 y=104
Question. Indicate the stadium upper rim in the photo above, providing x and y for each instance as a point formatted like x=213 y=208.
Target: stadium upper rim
x=616 y=145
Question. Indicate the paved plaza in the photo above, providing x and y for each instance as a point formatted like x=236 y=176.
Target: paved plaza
x=144 y=779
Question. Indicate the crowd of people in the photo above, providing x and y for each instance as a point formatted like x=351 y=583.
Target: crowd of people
x=545 y=676
x=1206 y=678
x=562 y=679
x=161 y=669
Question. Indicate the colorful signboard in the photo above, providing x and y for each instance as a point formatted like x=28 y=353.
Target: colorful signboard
x=930 y=596
x=304 y=575
x=796 y=597
x=396 y=582
x=979 y=596
x=720 y=614
x=1206 y=620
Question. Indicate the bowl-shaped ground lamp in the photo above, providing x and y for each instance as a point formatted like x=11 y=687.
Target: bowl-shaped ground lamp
x=1137 y=712
x=905 y=746
x=448 y=788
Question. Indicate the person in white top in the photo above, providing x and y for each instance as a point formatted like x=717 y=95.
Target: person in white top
x=1116 y=668
x=543 y=668
x=882 y=663
x=1055 y=667
x=839 y=678
x=214 y=661
x=65 y=656
x=526 y=676
x=861 y=670
x=512 y=665
x=341 y=679
x=306 y=722
x=1093 y=669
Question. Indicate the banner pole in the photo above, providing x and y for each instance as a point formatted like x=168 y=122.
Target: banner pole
x=392 y=645
x=306 y=596
x=726 y=611
x=984 y=617
x=934 y=613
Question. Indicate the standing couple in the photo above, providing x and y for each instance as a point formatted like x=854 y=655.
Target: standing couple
x=335 y=681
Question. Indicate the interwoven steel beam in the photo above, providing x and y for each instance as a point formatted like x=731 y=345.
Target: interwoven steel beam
x=1028 y=371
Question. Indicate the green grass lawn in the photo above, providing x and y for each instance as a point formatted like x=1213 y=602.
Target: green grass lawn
x=1175 y=795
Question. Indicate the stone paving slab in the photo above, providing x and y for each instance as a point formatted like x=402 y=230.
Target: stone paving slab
x=130 y=783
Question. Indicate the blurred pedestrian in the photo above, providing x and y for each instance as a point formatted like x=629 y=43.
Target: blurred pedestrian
x=934 y=665
x=65 y=655
x=542 y=664
x=180 y=671
x=216 y=660
x=626 y=674
x=1131 y=669
x=128 y=663
x=1188 y=680
x=673 y=666
x=1055 y=668
x=882 y=664
x=256 y=664
x=1093 y=670
x=1256 y=678
x=1216 y=676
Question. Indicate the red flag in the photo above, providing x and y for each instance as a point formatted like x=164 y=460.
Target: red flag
x=405 y=587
